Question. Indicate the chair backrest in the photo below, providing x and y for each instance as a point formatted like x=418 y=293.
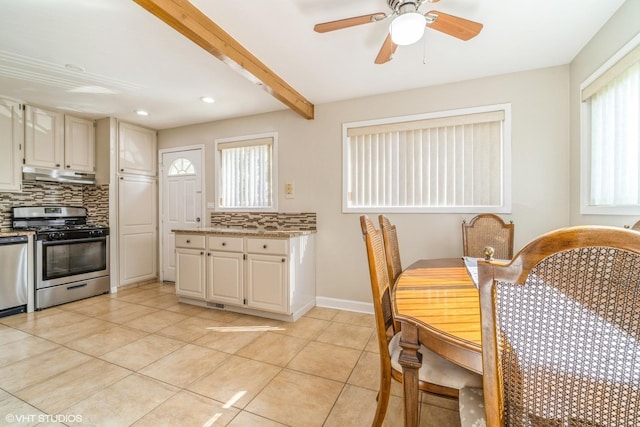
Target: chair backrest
x=380 y=287
x=391 y=249
x=487 y=230
x=561 y=330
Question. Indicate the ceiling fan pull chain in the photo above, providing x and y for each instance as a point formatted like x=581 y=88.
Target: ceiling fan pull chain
x=424 y=50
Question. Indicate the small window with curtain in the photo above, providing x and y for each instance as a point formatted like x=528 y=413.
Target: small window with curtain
x=610 y=135
x=453 y=161
x=245 y=171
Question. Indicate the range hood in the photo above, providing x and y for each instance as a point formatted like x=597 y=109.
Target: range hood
x=30 y=173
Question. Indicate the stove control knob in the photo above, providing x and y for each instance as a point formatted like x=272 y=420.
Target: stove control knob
x=51 y=236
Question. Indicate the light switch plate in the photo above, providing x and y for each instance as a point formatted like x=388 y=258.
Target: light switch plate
x=211 y=205
x=289 y=190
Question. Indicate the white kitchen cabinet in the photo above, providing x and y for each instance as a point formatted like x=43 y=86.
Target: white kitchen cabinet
x=190 y=266
x=267 y=274
x=79 y=144
x=58 y=141
x=271 y=277
x=225 y=270
x=137 y=150
x=267 y=282
x=44 y=137
x=137 y=230
x=11 y=143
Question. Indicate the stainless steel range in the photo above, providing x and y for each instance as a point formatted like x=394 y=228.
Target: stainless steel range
x=72 y=257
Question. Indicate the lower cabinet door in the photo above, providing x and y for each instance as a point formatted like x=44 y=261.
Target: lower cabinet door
x=267 y=282
x=190 y=273
x=225 y=279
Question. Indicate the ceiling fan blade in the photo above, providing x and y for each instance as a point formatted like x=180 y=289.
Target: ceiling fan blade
x=453 y=25
x=348 y=22
x=386 y=51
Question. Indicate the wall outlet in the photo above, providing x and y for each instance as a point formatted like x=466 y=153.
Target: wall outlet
x=211 y=205
x=289 y=191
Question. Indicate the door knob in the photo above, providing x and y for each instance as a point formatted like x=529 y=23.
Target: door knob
x=198 y=219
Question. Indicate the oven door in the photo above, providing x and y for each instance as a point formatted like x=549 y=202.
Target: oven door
x=63 y=261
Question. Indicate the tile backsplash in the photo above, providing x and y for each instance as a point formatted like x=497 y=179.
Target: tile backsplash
x=94 y=197
x=266 y=220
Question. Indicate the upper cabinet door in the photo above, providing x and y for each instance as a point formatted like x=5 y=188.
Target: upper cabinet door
x=137 y=150
x=44 y=137
x=11 y=142
x=79 y=144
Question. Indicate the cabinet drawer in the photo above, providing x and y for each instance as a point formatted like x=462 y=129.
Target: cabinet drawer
x=189 y=241
x=268 y=246
x=225 y=243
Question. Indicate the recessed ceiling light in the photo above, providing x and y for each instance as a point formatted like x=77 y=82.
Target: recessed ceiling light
x=207 y=99
x=142 y=112
x=73 y=67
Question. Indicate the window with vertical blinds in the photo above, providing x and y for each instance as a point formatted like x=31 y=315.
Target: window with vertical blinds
x=456 y=161
x=245 y=171
x=610 y=137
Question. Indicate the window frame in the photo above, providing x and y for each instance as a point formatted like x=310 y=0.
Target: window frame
x=585 y=142
x=506 y=160
x=274 y=172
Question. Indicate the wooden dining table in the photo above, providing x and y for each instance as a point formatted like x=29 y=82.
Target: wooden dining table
x=438 y=306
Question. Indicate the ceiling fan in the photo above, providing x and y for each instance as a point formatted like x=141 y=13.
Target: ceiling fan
x=407 y=26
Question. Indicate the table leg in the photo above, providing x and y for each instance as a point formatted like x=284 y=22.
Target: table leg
x=411 y=360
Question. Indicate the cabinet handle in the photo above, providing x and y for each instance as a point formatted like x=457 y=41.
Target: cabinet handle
x=188 y=241
x=283 y=260
x=121 y=177
x=121 y=170
x=264 y=246
x=201 y=253
x=57 y=165
x=208 y=253
x=68 y=166
x=224 y=243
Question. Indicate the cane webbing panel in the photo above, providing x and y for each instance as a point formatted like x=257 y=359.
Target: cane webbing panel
x=569 y=341
x=392 y=248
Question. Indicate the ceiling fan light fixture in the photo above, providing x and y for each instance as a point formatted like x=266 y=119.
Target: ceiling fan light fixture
x=407 y=28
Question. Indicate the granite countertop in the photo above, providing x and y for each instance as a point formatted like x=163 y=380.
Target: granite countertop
x=8 y=232
x=245 y=232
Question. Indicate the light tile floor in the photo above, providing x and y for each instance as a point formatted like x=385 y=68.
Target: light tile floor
x=138 y=357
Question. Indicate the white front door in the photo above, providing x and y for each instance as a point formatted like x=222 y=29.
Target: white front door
x=182 y=180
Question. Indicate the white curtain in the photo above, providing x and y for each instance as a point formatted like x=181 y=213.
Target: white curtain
x=615 y=141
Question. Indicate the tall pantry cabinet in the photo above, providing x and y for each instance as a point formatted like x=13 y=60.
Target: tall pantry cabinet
x=137 y=203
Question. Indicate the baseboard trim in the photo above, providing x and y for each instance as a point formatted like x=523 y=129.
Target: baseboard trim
x=343 y=304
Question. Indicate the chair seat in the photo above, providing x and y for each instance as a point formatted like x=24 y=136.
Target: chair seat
x=436 y=369
x=471 y=405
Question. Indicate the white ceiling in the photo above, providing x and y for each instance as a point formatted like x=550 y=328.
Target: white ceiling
x=132 y=60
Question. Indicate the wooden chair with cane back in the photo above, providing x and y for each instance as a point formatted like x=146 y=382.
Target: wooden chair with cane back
x=561 y=330
x=436 y=374
x=487 y=230
x=392 y=252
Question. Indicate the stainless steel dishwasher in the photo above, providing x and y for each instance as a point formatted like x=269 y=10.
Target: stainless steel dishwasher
x=13 y=275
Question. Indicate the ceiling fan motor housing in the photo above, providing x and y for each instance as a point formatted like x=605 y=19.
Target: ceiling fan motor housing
x=402 y=6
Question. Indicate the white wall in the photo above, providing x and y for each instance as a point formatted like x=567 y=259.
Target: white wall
x=310 y=155
x=621 y=28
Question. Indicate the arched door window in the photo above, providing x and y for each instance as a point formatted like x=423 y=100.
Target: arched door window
x=181 y=166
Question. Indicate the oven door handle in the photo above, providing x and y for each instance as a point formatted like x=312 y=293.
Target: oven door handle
x=71 y=241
